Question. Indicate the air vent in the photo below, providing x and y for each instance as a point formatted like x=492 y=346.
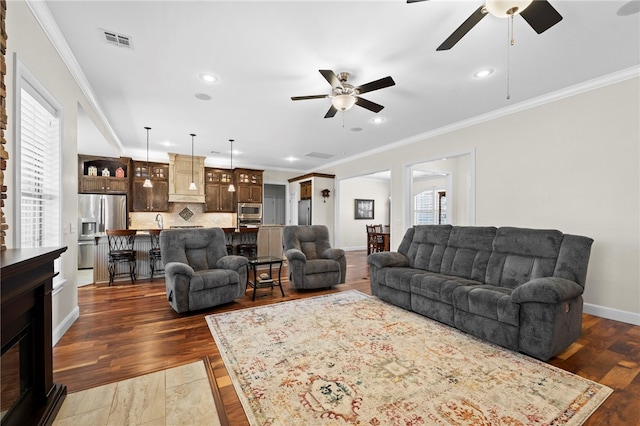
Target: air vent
x=117 y=39
x=318 y=155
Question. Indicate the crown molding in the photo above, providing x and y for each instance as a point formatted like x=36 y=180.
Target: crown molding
x=586 y=86
x=50 y=27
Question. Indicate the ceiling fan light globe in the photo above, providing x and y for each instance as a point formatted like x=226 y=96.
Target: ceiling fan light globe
x=506 y=8
x=343 y=102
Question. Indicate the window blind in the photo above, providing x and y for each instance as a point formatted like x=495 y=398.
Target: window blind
x=39 y=172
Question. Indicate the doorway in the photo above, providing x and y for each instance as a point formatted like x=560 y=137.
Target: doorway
x=274 y=204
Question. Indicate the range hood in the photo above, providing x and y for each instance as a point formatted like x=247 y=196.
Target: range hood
x=180 y=174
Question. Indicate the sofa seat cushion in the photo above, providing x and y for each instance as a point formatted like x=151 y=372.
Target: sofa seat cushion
x=439 y=287
x=398 y=278
x=321 y=266
x=488 y=301
x=213 y=278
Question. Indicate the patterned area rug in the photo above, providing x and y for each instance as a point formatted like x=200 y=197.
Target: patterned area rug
x=349 y=358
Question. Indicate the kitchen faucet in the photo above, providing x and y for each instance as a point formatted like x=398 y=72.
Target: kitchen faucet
x=159 y=221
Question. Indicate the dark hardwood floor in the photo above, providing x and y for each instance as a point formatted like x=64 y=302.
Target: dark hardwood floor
x=128 y=330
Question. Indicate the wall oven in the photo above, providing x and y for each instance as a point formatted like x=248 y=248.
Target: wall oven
x=249 y=214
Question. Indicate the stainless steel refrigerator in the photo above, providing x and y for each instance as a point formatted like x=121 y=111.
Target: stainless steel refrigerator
x=304 y=212
x=97 y=213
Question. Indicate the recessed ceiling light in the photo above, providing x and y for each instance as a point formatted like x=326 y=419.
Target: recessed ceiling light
x=290 y=158
x=483 y=73
x=377 y=120
x=209 y=78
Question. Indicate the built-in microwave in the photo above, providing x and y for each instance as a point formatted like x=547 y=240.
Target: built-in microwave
x=250 y=211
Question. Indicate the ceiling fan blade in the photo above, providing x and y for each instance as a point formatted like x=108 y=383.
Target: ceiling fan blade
x=463 y=29
x=332 y=111
x=302 y=98
x=371 y=106
x=331 y=77
x=541 y=15
x=376 y=85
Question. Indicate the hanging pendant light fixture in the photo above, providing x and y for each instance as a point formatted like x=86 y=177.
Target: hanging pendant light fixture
x=231 y=187
x=192 y=185
x=147 y=182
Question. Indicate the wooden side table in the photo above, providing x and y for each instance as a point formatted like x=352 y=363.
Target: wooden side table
x=257 y=283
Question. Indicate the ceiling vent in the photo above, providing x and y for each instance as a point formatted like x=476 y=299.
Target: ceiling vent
x=318 y=155
x=117 y=39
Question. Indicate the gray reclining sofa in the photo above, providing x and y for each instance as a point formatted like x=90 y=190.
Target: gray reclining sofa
x=515 y=287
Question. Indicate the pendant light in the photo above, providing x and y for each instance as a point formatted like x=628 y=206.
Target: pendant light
x=192 y=186
x=231 y=187
x=147 y=182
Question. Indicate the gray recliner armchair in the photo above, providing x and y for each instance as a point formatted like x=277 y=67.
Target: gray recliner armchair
x=198 y=272
x=312 y=261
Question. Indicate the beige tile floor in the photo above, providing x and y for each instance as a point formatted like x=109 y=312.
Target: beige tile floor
x=177 y=396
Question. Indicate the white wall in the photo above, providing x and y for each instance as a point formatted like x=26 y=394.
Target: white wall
x=572 y=164
x=28 y=41
x=352 y=232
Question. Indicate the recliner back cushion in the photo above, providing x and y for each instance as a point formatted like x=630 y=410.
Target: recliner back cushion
x=424 y=246
x=468 y=251
x=312 y=240
x=521 y=254
x=200 y=248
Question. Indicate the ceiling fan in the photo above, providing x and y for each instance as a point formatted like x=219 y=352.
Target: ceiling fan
x=539 y=14
x=344 y=95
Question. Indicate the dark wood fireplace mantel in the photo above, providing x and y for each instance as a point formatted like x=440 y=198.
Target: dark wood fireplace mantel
x=26 y=284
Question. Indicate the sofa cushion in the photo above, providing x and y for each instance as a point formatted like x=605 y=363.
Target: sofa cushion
x=398 y=278
x=520 y=255
x=425 y=245
x=487 y=301
x=213 y=278
x=468 y=251
x=438 y=287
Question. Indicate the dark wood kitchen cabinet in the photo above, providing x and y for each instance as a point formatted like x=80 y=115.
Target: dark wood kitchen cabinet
x=156 y=198
x=248 y=185
x=217 y=197
x=103 y=175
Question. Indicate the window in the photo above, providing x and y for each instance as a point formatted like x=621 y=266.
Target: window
x=39 y=170
x=429 y=208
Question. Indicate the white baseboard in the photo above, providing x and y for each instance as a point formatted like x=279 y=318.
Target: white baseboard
x=612 y=314
x=65 y=325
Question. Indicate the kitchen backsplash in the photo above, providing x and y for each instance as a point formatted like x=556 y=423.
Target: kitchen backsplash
x=176 y=216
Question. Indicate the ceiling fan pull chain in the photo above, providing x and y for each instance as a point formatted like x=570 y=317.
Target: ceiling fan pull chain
x=509 y=44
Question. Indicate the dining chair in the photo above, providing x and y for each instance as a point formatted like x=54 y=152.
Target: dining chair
x=121 y=251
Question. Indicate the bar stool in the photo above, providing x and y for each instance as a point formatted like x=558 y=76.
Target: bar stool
x=248 y=246
x=154 y=253
x=121 y=251
x=228 y=237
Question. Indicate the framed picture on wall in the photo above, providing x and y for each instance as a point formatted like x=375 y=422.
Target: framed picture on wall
x=364 y=209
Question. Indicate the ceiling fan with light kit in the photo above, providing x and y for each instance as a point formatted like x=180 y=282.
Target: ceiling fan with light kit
x=539 y=14
x=344 y=95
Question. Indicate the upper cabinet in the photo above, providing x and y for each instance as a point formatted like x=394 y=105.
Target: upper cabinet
x=217 y=197
x=248 y=185
x=156 y=198
x=103 y=175
x=305 y=190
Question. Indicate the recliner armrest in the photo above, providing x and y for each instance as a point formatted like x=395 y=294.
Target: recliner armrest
x=546 y=290
x=388 y=259
x=295 y=254
x=332 y=253
x=232 y=262
x=175 y=268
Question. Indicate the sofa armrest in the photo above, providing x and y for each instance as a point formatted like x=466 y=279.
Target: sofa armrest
x=295 y=254
x=551 y=290
x=231 y=262
x=332 y=253
x=177 y=268
x=387 y=259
